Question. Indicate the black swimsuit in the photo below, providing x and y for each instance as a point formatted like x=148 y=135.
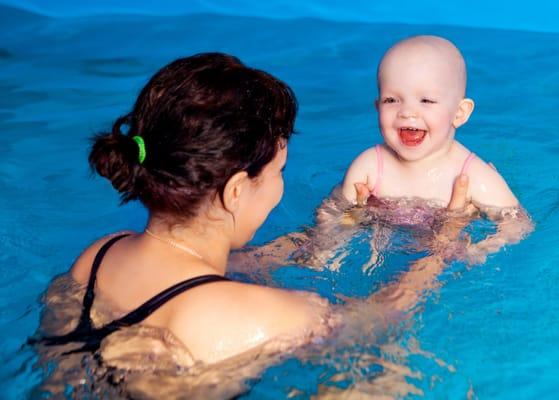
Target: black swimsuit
x=91 y=337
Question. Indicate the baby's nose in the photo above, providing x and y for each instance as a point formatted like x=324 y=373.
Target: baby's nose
x=407 y=112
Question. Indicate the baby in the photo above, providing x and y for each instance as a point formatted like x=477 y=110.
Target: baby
x=422 y=84
x=421 y=103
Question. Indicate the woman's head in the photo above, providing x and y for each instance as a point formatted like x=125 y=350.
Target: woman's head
x=203 y=119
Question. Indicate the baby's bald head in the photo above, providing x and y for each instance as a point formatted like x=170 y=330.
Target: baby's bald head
x=432 y=52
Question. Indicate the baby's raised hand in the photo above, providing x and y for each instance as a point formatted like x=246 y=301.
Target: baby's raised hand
x=363 y=193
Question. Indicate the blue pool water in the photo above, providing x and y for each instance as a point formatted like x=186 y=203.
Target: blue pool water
x=490 y=332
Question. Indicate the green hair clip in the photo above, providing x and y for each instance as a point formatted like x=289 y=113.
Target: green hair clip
x=141 y=148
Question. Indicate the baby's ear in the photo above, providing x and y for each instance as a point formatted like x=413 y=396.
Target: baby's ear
x=465 y=109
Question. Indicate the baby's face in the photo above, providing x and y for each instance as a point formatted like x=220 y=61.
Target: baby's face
x=420 y=90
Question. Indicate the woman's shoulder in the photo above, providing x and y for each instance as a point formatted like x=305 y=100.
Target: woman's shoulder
x=82 y=266
x=229 y=318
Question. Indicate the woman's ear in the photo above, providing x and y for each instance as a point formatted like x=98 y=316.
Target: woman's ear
x=465 y=109
x=233 y=190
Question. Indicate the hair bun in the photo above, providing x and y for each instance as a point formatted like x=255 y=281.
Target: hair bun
x=115 y=157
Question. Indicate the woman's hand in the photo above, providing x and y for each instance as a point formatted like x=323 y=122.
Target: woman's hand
x=446 y=243
x=458 y=198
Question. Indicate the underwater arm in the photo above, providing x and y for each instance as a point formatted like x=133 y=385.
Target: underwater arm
x=337 y=218
x=334 y=226
x=252 y=259
x=513 y=225
x=311 y=247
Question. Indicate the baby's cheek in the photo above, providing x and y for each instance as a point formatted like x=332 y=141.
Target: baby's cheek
x=390 y=140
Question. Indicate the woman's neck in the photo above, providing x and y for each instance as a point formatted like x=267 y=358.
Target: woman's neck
x=206 y=241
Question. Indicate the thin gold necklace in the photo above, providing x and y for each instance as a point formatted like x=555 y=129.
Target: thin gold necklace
x=174 y=244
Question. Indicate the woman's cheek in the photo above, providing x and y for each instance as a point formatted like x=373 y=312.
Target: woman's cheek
x=281 y=190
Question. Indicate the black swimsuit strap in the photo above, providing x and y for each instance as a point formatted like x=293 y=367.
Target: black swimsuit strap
x=92 y=337
x=146 y=309
x=85 y=318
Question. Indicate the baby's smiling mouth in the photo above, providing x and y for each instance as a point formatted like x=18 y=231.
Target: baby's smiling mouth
x=412 y=136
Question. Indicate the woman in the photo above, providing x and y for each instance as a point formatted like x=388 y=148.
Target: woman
x=204 y=150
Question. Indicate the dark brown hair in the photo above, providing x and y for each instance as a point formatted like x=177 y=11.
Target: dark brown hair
x=203 y=118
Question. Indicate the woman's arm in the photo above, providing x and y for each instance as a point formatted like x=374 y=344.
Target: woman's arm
x=283 y=320
x=311 y=247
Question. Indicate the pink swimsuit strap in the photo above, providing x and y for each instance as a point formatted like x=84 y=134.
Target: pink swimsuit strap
x=467 y=163
x=380 y=170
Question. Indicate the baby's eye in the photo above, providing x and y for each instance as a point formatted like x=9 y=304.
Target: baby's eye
x=428 y=101
x=388 y=100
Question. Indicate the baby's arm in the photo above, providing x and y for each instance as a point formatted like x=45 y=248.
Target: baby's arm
x=488 y=188
x=362 y=170
x=492 y=196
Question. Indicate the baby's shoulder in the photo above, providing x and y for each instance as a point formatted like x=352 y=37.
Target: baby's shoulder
x=363 y=169
x=370 y=158
x=368 y=155
x=364 y=165
x=477 y=167
x=469 y=162
x=487 y=186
